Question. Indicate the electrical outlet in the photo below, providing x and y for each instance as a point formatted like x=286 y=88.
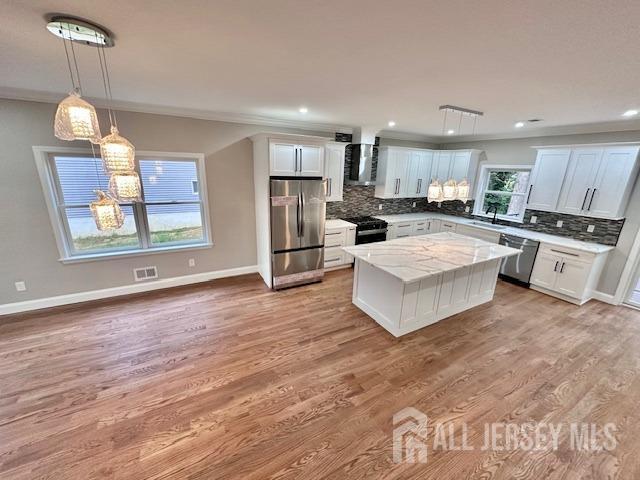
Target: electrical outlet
x=21 y=286
x=439 y=204
x=591 y=228
x=379 y=206
x=467 y=209
x=192 y=262
x=559 y=223
x=533 y=219
x=413 y=204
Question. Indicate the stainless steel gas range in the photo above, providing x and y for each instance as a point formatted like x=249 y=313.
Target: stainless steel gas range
x=369 y=229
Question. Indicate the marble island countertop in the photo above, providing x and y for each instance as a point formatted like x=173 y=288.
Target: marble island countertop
x=518 y=232
x=414 y=258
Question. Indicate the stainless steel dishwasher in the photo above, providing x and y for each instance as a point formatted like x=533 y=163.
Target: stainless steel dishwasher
x=517 y=269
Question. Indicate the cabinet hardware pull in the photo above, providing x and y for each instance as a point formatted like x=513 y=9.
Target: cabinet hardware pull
x=333 y=233
x=405 y=225
x=562 y=268
x=332 y=259
x=419 y=184
x=564 y=253
x=301 y=159
x=593 y=194
x=584 y=200
x=529 y=196
x=555 y=269
x=295 y=168
x=330 y=186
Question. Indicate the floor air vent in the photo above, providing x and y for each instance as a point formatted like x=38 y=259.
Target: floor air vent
x=145 y=273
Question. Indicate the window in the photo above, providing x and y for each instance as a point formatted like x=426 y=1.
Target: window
x=172 y=215
x=503 y=188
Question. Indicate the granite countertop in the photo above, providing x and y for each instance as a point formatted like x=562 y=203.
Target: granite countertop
x=518 y=232
x=337 y=223
x=413 y=258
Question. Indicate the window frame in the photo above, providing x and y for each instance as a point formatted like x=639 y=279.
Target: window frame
x=56 y=207
x=482 y=190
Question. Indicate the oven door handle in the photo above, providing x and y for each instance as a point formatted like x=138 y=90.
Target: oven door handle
x=371 y=232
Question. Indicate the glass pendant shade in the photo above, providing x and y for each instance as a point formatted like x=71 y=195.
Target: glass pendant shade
x=450 y=190
x=434 y=193
x=118 y=154
x=106 y=212
x=125 y=186
x=463 y=191
x=76 y=119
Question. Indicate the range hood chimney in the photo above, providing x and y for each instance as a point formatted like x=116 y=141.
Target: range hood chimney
x=361 y=172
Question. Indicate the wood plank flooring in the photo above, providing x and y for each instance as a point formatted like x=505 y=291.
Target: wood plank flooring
x=228 y=380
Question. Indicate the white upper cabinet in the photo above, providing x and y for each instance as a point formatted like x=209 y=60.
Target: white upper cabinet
x=614 y=182
x=441 y=166
x=291 y=160
x=419 y=172
x=598 y=181
x=283 y=159
x=546 y=179
x=578 y=181
x=392 y=173
x=407 y=172
x=334 y=170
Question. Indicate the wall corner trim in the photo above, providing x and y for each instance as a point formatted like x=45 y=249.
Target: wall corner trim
x=604 y=297
x=48 y=302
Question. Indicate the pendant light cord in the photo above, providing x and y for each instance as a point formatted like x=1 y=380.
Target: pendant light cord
x=106 y=82
x=75 y=60
x=66 y=52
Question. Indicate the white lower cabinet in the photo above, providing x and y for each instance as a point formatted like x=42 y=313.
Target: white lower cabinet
x=569 y=274
x=334 y=240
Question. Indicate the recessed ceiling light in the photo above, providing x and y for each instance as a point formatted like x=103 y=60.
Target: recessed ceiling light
x=392 y=123
x=519 y=124
x=303 y=109
x=630 y=113
x=450 y=132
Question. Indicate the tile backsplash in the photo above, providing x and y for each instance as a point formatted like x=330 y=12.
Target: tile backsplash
x=360 y=200
x=573 y=226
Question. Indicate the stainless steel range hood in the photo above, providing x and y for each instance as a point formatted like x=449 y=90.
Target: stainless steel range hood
x=361 y=172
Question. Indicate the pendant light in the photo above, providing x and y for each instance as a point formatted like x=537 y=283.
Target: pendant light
x=125 y=186
x=118 y=153
x=434 y=192
x=463 y=191
x=75 y=119
x=106 y=212
x=450 y=190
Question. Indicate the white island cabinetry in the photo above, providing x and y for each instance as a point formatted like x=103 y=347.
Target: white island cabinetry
x=409 y=283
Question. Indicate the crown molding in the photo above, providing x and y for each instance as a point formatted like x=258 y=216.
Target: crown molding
x=242 y=118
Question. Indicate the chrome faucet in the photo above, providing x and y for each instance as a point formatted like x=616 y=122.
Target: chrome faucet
x=495 y=212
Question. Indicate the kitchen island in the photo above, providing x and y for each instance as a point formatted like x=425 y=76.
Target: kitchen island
x=409 y=283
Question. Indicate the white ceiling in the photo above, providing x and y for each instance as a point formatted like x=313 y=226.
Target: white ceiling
x=352 y=63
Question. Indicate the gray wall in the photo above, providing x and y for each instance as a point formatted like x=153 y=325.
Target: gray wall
x=29 y=250
x=519 y=151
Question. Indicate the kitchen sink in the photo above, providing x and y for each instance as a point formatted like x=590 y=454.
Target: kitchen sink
x=489 y=225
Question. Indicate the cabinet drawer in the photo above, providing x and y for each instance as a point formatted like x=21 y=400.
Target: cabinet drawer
x=335 y=238
x=404 y=229
x=569 y=253
x=447 y=227
x=333 y=257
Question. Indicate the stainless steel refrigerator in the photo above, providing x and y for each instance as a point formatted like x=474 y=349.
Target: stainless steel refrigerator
x=297 y=231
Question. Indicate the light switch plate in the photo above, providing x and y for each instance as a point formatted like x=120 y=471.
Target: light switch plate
x=439 y=204
x=21 y=286
x=559 y=224
x=466 y=209
x=379 y=206
x=413 y=204
x=533 y=219
x=591 y=228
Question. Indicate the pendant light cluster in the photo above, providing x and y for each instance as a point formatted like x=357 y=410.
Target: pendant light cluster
x=76 y=119
x=450 y=189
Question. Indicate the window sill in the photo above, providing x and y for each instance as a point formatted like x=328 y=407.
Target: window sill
x=504 y=219
x=134 y=253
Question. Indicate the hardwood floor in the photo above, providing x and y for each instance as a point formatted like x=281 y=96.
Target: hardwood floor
x=228 y=380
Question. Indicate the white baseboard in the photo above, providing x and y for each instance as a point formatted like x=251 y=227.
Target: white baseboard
x=48 y=302
x=604 y=297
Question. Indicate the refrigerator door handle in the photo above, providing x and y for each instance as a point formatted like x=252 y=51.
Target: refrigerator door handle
x=302 y=211
x=298 y=216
